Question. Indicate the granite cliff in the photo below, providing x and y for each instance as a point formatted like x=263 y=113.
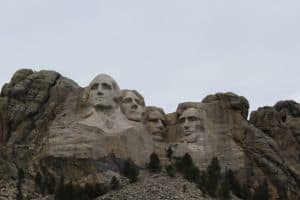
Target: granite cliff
x=53 y=128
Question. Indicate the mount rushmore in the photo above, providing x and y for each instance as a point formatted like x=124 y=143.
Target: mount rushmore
x=52 y=126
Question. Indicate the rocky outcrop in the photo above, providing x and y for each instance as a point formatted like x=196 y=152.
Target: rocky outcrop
x=230 y=101
x=217 y=137
x=52 y=126
x=264 y=151
x=280 y=125
x=290 y=114
x=156 y=187
x=28 y=103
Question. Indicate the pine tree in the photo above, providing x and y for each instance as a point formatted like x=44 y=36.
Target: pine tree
x=184 y=163
x=169 y=153
x=213 y=176
x=187 y=161
x=202 y=183
x=224 y=189
x=89 y=190
x=19 y=189
x=130 y=171
x=69 y=191
x=21 y=175
x=186 y=166
x=184 y=188
x=154 y=164
x=282 y=191
x=100 y=189
x=192 y=174
x=235 y=186
x=61 y=190
x=245 y=192
x=19 y=184
x=115 y=184
x=19 y=196
x=51 y=184
x=38 y=179
x=171 y=170
x=262 y=191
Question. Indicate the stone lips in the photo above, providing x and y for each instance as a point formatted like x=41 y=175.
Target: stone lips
x=40 y=131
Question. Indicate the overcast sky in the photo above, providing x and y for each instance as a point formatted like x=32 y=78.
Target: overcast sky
x=171 y=51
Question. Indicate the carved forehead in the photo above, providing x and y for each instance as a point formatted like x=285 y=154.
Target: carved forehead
x=190 y=112
x=154 y=112
x=104 y=78
x=133 y=94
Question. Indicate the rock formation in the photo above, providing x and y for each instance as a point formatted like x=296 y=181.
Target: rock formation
x=51 y=126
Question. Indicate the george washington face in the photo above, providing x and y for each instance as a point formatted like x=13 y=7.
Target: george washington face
x=103 y=92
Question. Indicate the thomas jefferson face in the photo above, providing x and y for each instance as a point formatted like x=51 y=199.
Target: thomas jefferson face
x=156 y=123
x=103 y=92
x=190 y=121
x=132 y=105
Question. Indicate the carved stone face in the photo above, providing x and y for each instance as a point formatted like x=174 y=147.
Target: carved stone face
x=190 y=121
x=156 y=123
x=103 y=92
x=132 y=105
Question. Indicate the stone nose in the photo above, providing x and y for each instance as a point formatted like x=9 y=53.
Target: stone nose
x=160 y=124
x=99 y=93
x=186 y=126
x=134 y=106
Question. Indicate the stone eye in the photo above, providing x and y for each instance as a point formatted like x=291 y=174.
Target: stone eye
x=106 y=86
x=95 y=86
x=138 y=102
x=153 y=120
x=182 y=120
x=127 y=100
x=192 y=119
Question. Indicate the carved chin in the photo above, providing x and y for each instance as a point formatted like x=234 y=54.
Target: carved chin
x=187 y=133
x=157 y=138
x=104 y=104
x=192 y=138
x=134 y=117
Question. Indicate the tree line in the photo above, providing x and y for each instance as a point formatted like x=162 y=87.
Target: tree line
x=212 y=181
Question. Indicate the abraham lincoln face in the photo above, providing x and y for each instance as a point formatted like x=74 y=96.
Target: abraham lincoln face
x=190 y=121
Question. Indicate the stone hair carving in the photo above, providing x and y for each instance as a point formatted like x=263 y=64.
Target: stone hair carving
x=156 y=122
x=133 y=105
x=191 y=123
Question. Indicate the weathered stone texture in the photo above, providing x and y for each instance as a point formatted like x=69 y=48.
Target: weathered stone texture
x=41 y=131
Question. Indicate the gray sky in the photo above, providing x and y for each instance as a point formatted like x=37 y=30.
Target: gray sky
x=171 y=51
